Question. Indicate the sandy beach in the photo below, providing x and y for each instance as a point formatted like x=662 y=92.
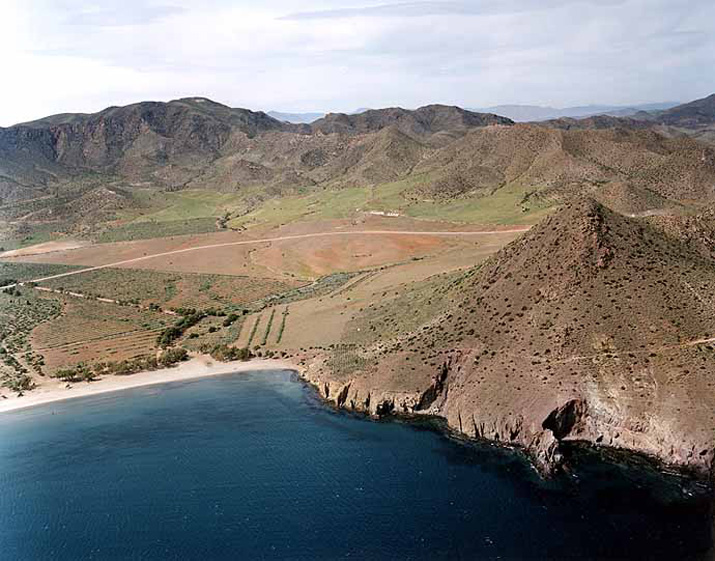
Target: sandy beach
x=198 y=367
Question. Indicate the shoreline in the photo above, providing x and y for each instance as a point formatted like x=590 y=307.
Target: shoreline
x=203 y=366
x=200 y=366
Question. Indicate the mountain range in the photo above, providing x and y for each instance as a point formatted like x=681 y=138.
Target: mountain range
x=534 y=113
x=518 y=113
x=75 y=170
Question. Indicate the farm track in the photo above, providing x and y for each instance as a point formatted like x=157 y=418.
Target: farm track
x=267 y=240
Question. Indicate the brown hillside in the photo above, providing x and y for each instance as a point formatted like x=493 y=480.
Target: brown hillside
x=604 y=164
x=593 y=326
x=596 y=122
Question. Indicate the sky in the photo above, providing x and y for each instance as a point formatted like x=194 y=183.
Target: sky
x=339 y=55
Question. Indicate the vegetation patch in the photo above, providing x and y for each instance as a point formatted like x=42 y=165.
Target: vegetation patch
x=20 y=313
x=89 y=372
x=346 y=359
x=284 y=316
x=12 y=271
x=148 y=230
x=253 y=331
x=226 y=353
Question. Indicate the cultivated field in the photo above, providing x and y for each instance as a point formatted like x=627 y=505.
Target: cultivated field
x=92 y=331
x=328 y=318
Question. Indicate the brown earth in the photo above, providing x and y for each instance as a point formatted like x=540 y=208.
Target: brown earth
x=630 y=170
x=309 y=250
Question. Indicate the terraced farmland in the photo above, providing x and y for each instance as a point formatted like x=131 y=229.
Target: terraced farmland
x=89 y=331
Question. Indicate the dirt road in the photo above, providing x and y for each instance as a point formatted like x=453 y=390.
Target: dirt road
x=268 y=240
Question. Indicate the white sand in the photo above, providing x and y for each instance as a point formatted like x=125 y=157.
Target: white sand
x=198 y=367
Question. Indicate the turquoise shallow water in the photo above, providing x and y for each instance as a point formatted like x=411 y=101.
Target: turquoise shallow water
x=252 y=466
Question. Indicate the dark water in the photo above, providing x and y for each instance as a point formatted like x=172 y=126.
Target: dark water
x=253 y=467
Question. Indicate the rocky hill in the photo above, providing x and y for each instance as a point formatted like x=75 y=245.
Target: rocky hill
x=695 y=114
x=420 y=123
x=592 y=327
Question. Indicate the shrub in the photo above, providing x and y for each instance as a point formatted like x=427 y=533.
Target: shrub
x=230 y=320
x=173 y=356
x=78 y=373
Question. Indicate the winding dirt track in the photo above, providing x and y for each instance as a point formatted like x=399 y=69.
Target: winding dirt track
x=277 y=239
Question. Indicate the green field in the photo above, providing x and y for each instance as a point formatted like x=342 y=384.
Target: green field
x=156 y=214
x=191 y=205
x=502 y=207
x=10 y=240
x=149 y=230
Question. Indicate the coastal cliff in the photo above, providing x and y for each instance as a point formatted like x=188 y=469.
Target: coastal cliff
x=514 y=425
x=593 y=327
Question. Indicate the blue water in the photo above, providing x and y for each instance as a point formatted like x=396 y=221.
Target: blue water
x=254 y=467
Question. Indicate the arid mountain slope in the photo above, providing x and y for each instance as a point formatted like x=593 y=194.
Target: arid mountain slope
x=593 y=326
x=174 y=145
x=695 y=114
x=132 y=141
x=630 y=170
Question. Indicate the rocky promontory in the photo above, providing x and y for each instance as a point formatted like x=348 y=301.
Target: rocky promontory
x=593 y=327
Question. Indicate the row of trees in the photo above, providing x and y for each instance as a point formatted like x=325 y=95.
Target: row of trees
x=87 y=373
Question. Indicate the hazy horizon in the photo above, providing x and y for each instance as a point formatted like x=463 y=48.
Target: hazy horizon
x=334 y=55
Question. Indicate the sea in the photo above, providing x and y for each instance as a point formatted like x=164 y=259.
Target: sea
x=254 y=466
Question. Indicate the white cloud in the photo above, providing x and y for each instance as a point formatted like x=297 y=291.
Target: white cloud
x=70 y=55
